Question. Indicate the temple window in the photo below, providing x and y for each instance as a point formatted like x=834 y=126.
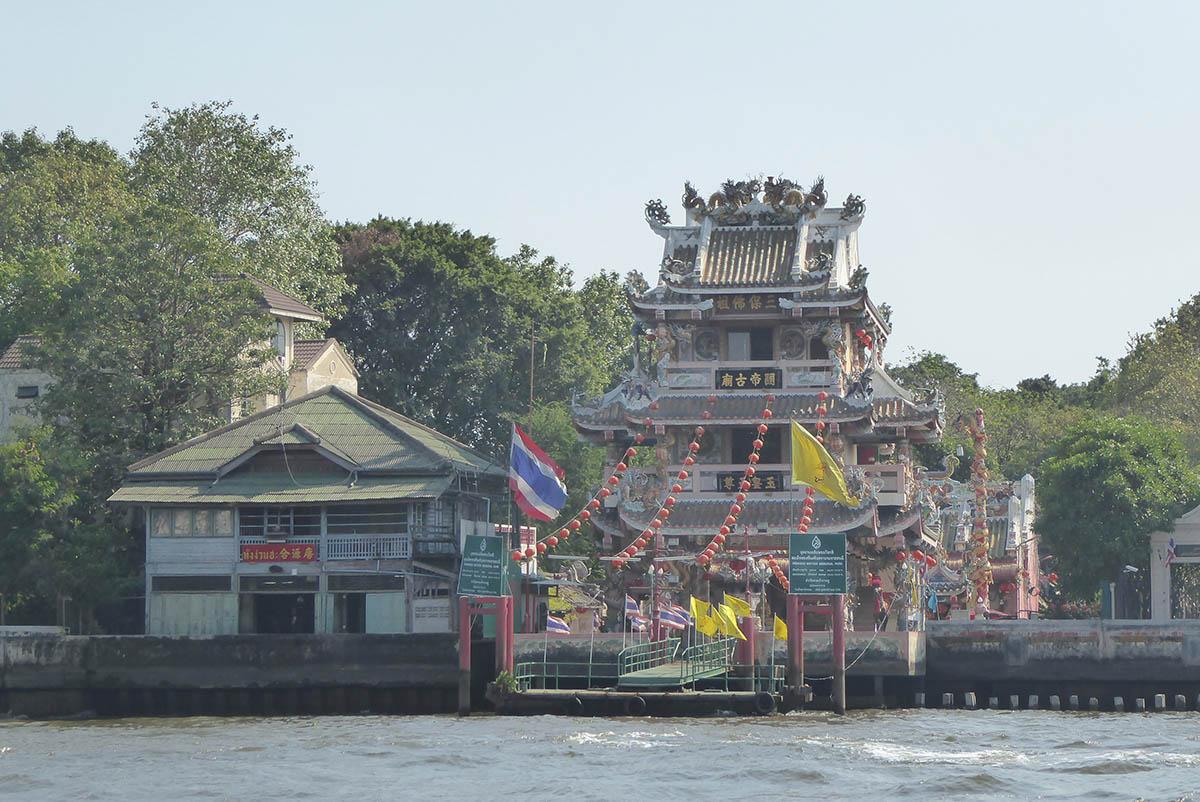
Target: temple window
x=751 y=344
x=817 y=349
x=742 y=443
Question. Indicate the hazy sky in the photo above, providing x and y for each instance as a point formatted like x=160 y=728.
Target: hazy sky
x=1029 y=168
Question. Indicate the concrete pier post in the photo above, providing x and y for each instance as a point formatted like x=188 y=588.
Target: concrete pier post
x=919 y=699
x=1160 y=701
x=1139 y=705
x=1180 y=702
x=993 y=703
x=795 y=646
x=1119 y=704
x=969 y=700
x=1073 y=702
x=947 y=700
x=1055 y=702
x=1093 y=704
x=1014 y=703
x=1033 y=702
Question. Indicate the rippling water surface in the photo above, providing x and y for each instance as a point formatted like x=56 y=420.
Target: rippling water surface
x=877 y=756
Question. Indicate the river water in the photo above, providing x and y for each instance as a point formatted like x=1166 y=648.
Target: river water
x=919 y=755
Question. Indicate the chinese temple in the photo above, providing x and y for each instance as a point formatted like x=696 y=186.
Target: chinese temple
x=761 y=303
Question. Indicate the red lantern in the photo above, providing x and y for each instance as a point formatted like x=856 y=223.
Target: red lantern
x=529 y=553
x=762 y=428
x=770 y=398
x=703 y=559
x=604 y=492
x=682 y=475
x=806 y=520
x=822 y=409
x=689 y=461
x=750 y=471
x=656 y=524
x=648 y=422
x=1053 y=577
x=699 y=432
x=614 y=480
x=584 y=515
x=860 y=332
x=573 y=525
x=669 y=501
x=918 y=555
x=725 y=530
x=821 y=396
x=639 y=438
x=753 y=459
x=712 y=399
x=517 y=556
x=617 y=564
x=735 y=509
x=744 y=486
x=810 y=492
x=901 y=556
x=677 y=488
x=767 y=413
x=730 y=520
x=563 y=534
x=552 y=541
x=594 y=504
x=621 y=467
x=930 y=560
x=639 y=543
x=757 y=444
x=718 y=539
x=630 y=452
x=541 y=548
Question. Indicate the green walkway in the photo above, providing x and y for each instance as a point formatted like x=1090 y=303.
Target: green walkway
x=667 y=664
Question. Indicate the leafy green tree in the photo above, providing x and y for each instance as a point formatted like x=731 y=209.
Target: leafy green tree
x=247 y=180
x=1106 y=485
x=151 y=342
x=448 y=332
x=52 y=193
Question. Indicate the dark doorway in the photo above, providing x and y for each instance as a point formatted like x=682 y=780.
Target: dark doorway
x=350 y=612
x=284 y=613
x=742 y=443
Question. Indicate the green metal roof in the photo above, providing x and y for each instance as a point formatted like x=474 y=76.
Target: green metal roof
x=265 y=489
x=375 y=439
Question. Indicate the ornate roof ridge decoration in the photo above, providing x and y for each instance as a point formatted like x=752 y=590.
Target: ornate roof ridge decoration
x=696 y=517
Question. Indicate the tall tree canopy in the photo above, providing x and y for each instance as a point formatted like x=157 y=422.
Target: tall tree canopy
x=1106 y=485
x=448 y=332
x=246 y=179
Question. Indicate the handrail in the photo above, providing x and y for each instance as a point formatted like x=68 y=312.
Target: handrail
x=647 y=655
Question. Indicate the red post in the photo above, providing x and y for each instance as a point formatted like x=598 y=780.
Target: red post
x=464 y=655
x=838 y=625
x=510 y=632
x=746 y=647
x=795 y=664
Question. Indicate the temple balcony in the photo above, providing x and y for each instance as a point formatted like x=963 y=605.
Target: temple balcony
x=892 y=482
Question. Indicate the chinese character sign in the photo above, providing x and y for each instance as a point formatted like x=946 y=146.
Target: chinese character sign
x=741 y=304
x=761 y=481
x=279 y=553
x=749 y=378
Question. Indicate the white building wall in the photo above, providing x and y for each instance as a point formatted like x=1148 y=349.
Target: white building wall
x=193 y=614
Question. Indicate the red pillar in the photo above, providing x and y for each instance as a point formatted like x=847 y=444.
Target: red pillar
x=510 y=631
x=746 y=647
x=795 y=664
x=838 y=625
x=464 y=655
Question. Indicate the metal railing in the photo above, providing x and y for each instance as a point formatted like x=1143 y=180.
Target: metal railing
x=647 y=655
x=552 y=675
x=368 y=547
x=711 y=655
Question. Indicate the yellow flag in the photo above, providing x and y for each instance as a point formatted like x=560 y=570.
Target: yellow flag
x=727 y=622
x=812 y=465
x=780 y=629
x=740 y=608
x=702 y=615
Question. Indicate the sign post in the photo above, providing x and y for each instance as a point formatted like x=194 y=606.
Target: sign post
x=817 y=567
x=481 y=591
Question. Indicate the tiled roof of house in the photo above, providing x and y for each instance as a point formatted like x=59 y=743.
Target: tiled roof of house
x=372 y=439
x=308 y=350
x=749 y=257
x=279 y=301
x=15 y=356
x=264 y=489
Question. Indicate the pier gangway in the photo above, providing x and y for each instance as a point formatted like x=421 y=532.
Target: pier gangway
x=668 y=663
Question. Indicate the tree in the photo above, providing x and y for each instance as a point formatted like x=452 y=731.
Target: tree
x=151 y=342
x=1106 y=485
x=445 y=330
x=52 y=194
x=246 y=179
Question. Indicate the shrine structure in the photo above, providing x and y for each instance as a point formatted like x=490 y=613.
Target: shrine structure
x=761 y=303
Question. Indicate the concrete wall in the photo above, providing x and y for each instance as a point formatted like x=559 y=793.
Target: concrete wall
x=32 y=662
x=17 y=414
x=1039 y=650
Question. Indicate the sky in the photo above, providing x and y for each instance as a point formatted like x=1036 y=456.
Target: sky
x=1030 y=168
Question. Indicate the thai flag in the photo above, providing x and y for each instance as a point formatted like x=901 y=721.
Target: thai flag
x=683 y=613
x=637 y=624
x=1170 y=551
x=671 y=619
x=632 y=611
x=535 y=479
x=556 y=626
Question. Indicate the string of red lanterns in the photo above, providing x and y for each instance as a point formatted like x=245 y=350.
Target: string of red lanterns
x=664 y=510
x=735 y=509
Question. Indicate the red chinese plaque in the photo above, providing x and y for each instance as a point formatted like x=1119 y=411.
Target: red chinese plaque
x=279 y=553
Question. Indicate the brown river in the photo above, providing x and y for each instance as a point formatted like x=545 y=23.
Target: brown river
x=901 y=755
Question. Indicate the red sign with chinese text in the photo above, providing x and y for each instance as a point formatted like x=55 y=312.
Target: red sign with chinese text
x=279 y=553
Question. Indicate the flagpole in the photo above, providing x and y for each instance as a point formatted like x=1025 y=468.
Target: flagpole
x=545 y=644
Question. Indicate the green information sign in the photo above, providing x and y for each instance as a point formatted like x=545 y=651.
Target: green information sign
x=817 y=564
x=482 y=572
